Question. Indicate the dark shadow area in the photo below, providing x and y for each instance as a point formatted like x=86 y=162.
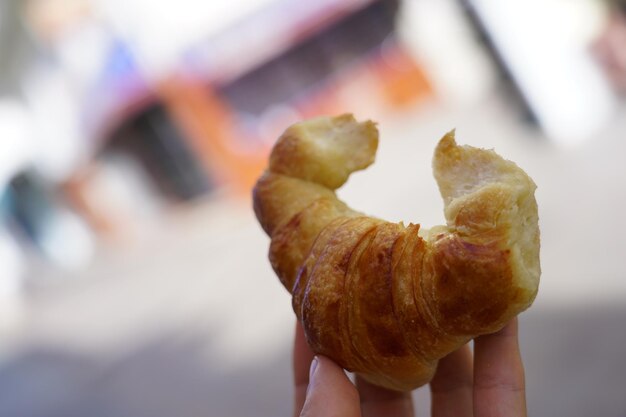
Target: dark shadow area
x=574 y=367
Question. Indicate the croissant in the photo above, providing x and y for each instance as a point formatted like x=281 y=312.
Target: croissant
x=387 y=300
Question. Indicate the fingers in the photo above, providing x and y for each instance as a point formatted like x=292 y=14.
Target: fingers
x=321 y=387
x=330 y=392
x=451 y=388
x=377 y=401
x=302 y=357
x=499 y=375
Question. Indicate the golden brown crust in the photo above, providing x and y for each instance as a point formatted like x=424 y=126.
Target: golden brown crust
x=375 y=296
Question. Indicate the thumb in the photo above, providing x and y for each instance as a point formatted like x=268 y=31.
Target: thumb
x=330 y=392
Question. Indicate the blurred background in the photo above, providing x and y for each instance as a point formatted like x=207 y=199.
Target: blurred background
x=134 y=278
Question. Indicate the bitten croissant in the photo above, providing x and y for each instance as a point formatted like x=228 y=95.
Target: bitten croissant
x=386 y=300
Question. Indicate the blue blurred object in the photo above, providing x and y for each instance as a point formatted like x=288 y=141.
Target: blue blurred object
x=44 y=220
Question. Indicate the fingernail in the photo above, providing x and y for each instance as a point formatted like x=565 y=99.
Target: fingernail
x=314 y=363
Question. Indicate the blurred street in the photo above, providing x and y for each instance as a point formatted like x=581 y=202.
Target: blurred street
x=195 y=323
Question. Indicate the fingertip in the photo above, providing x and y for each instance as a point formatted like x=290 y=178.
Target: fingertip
x=330 y=391
x=313 y=367
x=451 y=387
x=499 y=386
x=454 y=372
x=511 y=329
x=378 y=401
x=504 y=341
x=302 y=357
x=326 y=372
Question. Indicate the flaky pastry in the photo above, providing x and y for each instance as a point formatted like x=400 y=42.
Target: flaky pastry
x=382 y=299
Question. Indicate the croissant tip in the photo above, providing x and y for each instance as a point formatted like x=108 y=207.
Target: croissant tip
x=350 y=118
x=451 y=135
x=446 y=143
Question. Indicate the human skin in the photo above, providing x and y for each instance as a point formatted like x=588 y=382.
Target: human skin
x=489 y=383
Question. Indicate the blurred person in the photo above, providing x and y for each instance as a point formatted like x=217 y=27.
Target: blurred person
x=489 y=384
x=610 y=47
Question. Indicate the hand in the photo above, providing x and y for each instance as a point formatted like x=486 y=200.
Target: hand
x=490 y=385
